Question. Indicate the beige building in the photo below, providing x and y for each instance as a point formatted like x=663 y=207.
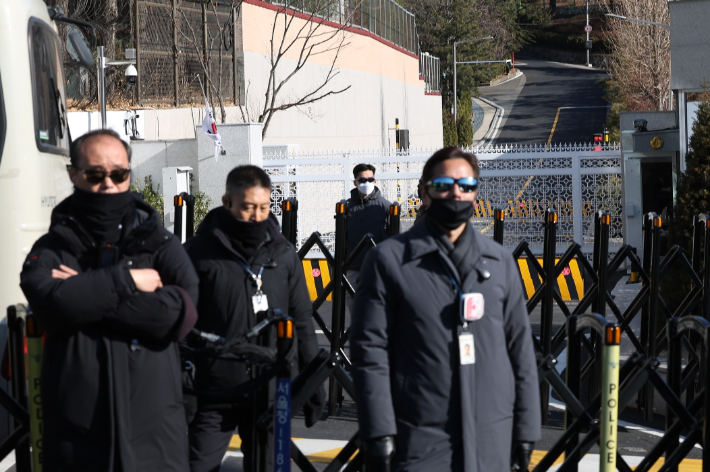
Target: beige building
x=383 y=80
x=368 y=52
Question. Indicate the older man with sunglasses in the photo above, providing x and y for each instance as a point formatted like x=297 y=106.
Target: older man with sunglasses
x=442 y=355
x=114 y=291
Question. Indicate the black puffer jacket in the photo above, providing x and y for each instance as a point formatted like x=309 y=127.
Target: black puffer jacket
x=226 y=296
x=366 y=215
x=111 y=382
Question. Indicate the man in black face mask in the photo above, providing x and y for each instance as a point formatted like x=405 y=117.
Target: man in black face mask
x=114 y=291
x=245 y=266
x=442 y=354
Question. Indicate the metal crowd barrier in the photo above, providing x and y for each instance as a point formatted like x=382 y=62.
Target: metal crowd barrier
x=593 y=361
x=184 y=216
x=599 y=385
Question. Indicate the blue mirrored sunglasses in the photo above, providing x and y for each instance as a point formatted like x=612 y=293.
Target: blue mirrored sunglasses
x=444 y=184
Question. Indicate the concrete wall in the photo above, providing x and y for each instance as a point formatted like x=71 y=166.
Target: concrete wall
x=149 y=158
x=690 y=67
x=241 y=142
x=383 y=83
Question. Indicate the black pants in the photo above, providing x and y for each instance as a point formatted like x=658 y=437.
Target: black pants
x=210 y=432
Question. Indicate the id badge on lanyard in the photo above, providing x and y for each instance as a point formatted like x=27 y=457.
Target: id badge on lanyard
x=258 y=301
x=471 y=308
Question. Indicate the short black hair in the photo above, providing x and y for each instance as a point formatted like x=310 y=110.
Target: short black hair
x=75 y=149
x=244 y=177
x=362 y=168
x=451 y=152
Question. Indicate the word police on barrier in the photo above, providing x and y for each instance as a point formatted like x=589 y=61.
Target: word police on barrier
x=35 y=354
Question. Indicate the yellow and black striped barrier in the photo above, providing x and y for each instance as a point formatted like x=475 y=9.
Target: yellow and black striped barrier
x=317 y=275
x=570 y=282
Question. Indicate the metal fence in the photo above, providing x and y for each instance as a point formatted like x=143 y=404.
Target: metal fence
x=429 y=70
x=176 y=41
x=384 y=18
x=173 y=38
x=575 y=180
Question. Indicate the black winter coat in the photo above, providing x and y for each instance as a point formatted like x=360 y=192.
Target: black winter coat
x=226 y=292
x=111 y=382
x=405 y=356
x=366 y=215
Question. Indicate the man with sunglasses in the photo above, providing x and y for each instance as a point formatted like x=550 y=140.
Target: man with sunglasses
x=367 y=213
x=245 y=266
x=115 y=292
x=441 y=348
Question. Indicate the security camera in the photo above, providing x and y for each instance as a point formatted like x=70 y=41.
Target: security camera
x=131 y=75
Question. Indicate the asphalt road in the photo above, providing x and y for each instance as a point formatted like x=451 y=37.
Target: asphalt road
x=532 y=103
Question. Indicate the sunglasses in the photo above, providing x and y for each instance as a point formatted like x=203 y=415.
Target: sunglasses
x=95 y=176
x=362 y=180
x=444 y=184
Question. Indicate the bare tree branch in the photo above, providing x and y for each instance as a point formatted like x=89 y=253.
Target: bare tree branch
x=641 y=59
x=310 y=38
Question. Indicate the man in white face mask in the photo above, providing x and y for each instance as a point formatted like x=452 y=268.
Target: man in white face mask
x=367 y=213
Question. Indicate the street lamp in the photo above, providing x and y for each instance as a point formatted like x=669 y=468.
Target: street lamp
x=101 y=64
x=637 y=20
x=456 y=43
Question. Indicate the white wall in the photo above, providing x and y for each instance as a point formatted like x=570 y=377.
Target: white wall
x=362 y=117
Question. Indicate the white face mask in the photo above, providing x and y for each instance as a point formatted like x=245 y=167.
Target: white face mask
x=366 y=188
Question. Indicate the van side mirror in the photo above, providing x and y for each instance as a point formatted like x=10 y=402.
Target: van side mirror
x=81 y=49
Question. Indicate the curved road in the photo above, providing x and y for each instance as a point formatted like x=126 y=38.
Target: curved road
x=532 y=102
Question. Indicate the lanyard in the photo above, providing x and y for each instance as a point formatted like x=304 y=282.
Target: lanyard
x=255 y=277
x=464 y=323
x=451 y=277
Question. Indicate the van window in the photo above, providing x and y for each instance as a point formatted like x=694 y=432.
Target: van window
x=47 y=89
x=3 y=121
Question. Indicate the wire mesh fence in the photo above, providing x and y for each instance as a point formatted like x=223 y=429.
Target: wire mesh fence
x=179 y=41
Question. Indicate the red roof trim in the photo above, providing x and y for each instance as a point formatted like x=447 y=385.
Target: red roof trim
x=433 y=93
x=352 y=29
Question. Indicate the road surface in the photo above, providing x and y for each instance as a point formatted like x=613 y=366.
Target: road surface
x=551 y=102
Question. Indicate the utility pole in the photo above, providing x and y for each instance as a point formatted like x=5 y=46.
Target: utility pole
x=131 y=76
x=587 y=29
x=456 y=43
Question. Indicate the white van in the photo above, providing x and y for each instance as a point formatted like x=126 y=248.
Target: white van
x=34 y=136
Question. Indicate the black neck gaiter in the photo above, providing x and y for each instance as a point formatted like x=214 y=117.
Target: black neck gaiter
x=245 y=236
x=101 y=214
x=450 y=214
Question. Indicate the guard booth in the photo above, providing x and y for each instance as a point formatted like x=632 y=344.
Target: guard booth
x=650 y=150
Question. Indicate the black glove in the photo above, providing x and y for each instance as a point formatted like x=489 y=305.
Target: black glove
x=378 y=453
x=520 y=455
x=313 y=409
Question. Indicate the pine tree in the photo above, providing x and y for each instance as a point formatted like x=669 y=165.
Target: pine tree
x=693 y=191
x=451 y=136
x=464 y=125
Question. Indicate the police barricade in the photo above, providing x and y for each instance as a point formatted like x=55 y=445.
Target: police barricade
x=269 y=359
x=289 y=219
x=184 y=227
x=22 y=366
x=640 y=378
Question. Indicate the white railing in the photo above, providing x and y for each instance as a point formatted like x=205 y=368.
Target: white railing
x=575 y=179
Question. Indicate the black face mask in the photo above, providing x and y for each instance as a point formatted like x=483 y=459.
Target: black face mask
x=450 y=214
x=245 y=236
x=101 y=214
